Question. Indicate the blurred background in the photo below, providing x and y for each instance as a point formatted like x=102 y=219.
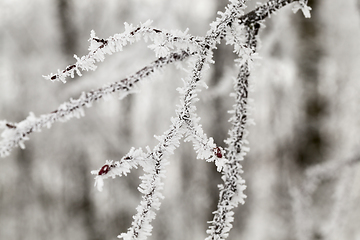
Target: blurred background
x=302 y=173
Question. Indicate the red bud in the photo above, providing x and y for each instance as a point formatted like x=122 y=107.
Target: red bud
x=104 y=170
x=218 y=152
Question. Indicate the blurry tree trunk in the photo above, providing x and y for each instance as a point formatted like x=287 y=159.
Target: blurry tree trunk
x=24 y=192
x=310 y=143
x=68 y=29
x=81 y=204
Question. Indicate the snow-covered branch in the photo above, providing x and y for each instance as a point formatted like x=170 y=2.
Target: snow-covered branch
x=163 y=42
x=237 y=29
x=232 y=190
x=14 y=134
x=265 y=10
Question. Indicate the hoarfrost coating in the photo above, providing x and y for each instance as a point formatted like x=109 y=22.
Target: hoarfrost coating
x=239 y=30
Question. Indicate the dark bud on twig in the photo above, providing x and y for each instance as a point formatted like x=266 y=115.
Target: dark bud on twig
x=104 y=170
x=218 y=152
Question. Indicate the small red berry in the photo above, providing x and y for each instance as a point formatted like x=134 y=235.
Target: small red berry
x=218 y=152
x=104 y=170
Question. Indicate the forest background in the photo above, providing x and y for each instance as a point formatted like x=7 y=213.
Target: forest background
x=306 y=109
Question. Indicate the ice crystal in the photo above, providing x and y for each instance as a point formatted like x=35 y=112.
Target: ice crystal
x=301 y=5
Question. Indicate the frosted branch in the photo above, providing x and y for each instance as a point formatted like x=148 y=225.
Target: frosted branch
x=119 y=168
x=205 y=147
x=302 y=195
x=238 y=29
x=232 y=190
x=324 y=171
x=14 y=134
x=265 y=10
x=151 y=185
x=163 y=41
x=153 y=163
